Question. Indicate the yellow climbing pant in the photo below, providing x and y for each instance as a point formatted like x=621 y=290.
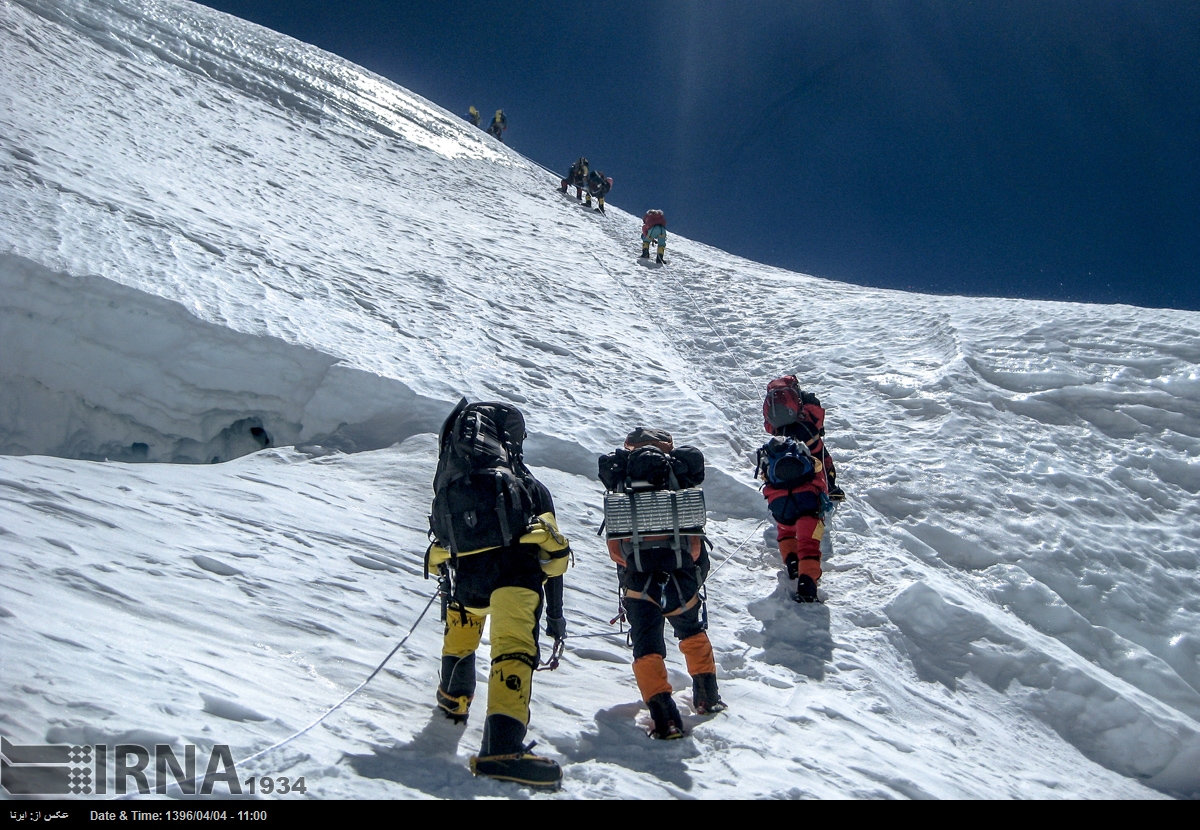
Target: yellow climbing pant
x=514 y=646
x=462 y=634
x=514 y=651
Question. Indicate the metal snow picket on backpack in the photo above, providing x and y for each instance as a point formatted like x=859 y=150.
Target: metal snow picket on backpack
x=481 y=497
x=653 y=491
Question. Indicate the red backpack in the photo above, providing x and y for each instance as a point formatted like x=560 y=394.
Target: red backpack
x=786 y=403
x=653 y=217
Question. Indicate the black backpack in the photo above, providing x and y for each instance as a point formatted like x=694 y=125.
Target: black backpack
x=650 y=468
x=482 y=492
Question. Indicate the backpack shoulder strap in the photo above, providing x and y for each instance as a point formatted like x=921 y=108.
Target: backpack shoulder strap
x=448 y=424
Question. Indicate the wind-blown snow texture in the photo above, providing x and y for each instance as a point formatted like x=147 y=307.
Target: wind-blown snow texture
x=216 y=238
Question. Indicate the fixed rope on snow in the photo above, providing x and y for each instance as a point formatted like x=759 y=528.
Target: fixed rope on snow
x=713 y=572
x=179 y=785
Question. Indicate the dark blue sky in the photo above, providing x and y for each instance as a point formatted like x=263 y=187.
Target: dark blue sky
x=1022 y=148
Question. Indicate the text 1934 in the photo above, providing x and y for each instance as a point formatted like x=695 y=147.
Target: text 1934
x=281 y=785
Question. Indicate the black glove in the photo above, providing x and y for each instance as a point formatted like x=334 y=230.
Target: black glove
x=556 y=627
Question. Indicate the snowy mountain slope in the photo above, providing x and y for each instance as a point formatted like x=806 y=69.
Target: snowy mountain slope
x=209 y=229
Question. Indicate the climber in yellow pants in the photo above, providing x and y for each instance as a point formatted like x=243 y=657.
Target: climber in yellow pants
x=511 y=584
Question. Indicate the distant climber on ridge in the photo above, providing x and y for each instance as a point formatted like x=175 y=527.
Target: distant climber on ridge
x=576 y=177
x=499 y=125
x=473 y=116
x=654 y=230
x=598 y=185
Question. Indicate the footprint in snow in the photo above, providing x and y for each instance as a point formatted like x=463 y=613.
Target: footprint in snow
x=793 y=635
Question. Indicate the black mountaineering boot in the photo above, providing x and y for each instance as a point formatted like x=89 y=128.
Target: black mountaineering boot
x=644 y=255
x=456 y=708
x=457 y=688
x=659 y=259
x=835 y=493
x=502 y=735
x=806 y=589
x=793 y=566
x=706 y=700
x=504 y=757
x=668 y=725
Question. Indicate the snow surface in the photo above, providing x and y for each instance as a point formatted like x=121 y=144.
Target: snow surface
x=215 y=238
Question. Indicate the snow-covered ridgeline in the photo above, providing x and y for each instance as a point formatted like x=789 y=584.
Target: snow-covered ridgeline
x=357 y=247
x=264 y=65
x=209 y=228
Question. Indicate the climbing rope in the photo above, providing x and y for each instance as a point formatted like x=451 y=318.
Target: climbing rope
x=721 y=337
x=353 y=691
x=713 y=572
x=595 y=634
x=749 y=396
x=328 y=711
x=707 y=321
